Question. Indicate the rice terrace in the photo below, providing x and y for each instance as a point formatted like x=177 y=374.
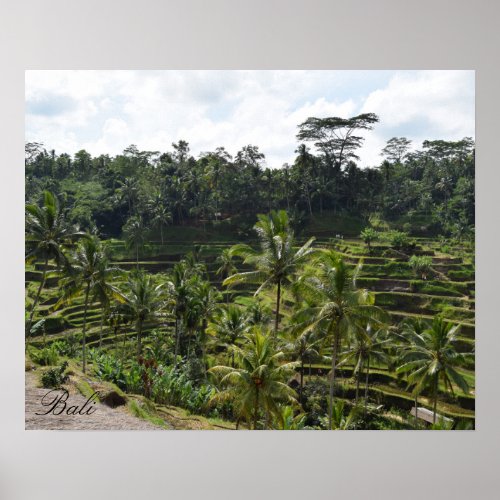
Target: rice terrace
x=207 y=290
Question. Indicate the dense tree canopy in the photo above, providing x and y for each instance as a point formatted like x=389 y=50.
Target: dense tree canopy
x=431 y=188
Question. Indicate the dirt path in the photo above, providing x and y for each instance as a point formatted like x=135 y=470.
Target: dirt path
x=103 y=418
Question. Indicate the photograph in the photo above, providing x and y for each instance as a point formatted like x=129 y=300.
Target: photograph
x=249 y=250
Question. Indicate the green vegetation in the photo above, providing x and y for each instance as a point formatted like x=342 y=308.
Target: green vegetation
x=421 y=265
x=348 y=304
x=53 y=378
x=369 y=235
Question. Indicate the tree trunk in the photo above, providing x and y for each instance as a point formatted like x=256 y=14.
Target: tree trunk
x=84 y=342
x=309 y=202
x=256 y=408
x=100 y=331
x=137 y=255
x=37 y=298
x=416 y=411
x=161 y=234
x=358 y=376
x=332 y=378
x=301 y=387
x=366 y=384
x=277 y=317
x=176 y=351
x=123 y=347
x=139 y=337
x=435 y=399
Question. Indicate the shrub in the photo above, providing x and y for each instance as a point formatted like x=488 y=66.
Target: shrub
x=55 y=377
x=133 y=379
x=171 y=387
x=369 y=235
x=69 y=347
x=421 y=265
x=48 y=356
x=108 y=368
x=398 y=239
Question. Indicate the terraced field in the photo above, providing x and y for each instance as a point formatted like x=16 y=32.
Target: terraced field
x=449 y=291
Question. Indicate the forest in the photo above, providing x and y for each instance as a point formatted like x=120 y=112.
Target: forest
x=222 y=292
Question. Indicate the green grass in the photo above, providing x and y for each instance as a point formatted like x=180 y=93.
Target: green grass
x=146 y=412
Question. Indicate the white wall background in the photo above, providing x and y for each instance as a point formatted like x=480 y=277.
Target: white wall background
x=259 y=34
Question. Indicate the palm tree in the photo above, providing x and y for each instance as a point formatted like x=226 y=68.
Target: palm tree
x=406 y=335
x=257 y=312
x=369 y=235
x=304 y=345
x=143 y=300
x=128 y=190
x=179 y=291
x=160 y=215
x=276 y=262
x=226 y=266
x=368 y=346
x=229 y=327
x=258 y=382
x=421 y=265
x=47 y=231
x=336 y=304
x=88 y=275
x=135 y=234
x=432 y=358
x=208 y=303
x=103 y=290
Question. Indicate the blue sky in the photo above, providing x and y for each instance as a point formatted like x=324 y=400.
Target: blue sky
x=106 y=111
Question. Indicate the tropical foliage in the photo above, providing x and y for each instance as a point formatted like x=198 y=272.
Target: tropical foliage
x=319 y=295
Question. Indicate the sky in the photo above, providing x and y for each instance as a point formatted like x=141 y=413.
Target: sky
x=106 y=111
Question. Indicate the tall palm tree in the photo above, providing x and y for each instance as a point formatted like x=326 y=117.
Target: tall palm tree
x=47 y=231
x=226 y=266
x=179 y=291
x=208 y=298
x=135 y=234
x=405 y=336
x=258 y=382
x=276 y=262
x=229 y=327
x=128 y=191
x=160 y=214
x=103 y=290
x=144 y=301
x=432 y=358
x=303 y=345
x=88 y=275
x=368 y=346
x=336 y=304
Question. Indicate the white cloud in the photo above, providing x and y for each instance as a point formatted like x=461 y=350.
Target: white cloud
x=422 y=105
x=105 y=111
